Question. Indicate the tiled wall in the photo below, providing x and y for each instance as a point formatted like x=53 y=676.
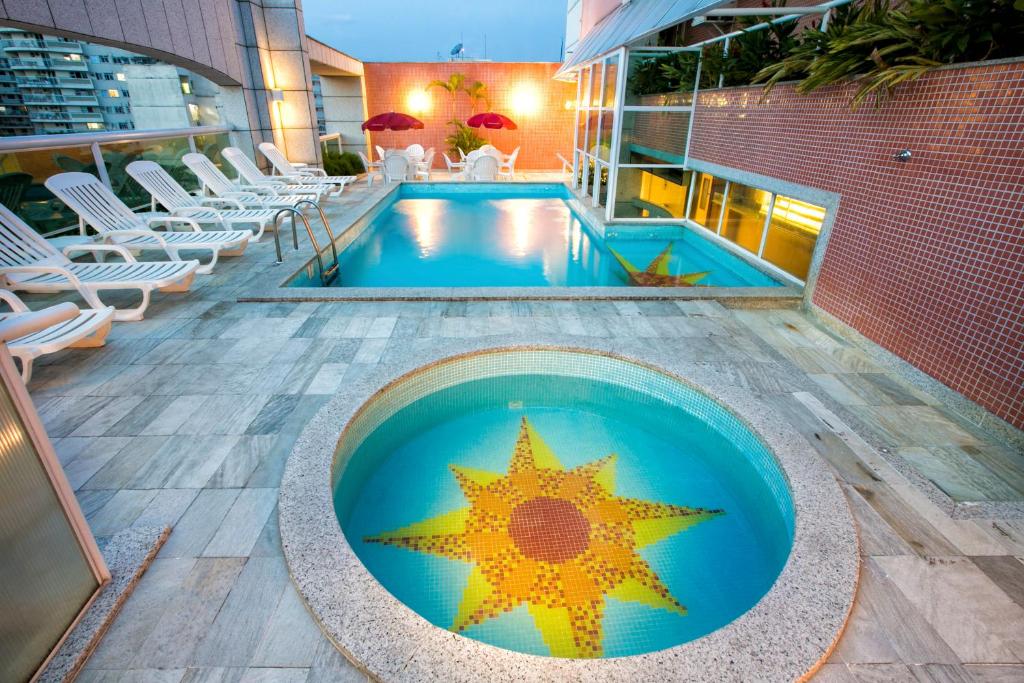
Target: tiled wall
x=925 y=258
x=541 y=133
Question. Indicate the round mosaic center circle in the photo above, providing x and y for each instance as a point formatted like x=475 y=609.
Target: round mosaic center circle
x=549 y=529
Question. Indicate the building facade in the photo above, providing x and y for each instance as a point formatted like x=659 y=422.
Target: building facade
x=51 y=85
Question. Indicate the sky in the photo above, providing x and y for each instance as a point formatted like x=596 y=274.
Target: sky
x=418 y=30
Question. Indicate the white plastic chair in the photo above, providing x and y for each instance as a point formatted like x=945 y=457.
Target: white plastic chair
x=484 y=167
x=251 y=173
x=250 y=196
x=309 y=175
x=507 y=168
x=456 y=170
x=29 y=263
x=106 y=214
x=414 y=152
x=492 y=150
x=423 y=168
x=173 y=197
x=374 y=169
x=396 y=168
x=30 y=334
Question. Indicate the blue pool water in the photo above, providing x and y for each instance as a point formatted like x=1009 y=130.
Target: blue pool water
x=545 y=544
x=458 y=236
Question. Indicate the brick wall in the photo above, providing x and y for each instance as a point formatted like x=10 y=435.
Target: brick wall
x=541 y=133
x=925 y=258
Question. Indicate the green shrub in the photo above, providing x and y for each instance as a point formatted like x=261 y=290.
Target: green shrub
x=878 y=45
x=346 y=163
x=464 y=138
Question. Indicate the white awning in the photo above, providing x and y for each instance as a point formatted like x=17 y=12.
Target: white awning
x=631 y=22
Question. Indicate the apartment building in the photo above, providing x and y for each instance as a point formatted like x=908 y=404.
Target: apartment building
x=51 y=85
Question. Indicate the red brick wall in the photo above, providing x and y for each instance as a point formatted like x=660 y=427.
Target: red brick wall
x=926 y=258
x=540 y=134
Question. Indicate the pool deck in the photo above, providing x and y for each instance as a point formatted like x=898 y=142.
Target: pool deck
x=187 y=419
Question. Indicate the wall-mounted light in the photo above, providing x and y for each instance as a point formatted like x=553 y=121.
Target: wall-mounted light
x=525 y=99
x=277 y=95
x=418 y=101
x=903 y=156
x=570 y=105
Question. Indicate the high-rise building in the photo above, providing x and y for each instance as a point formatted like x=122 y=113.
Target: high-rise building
x=51 y=85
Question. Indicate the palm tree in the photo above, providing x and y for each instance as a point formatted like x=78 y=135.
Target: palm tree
x=454 y=84
x=477 y=93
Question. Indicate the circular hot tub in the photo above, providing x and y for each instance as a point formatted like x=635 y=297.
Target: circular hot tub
x=538 y=507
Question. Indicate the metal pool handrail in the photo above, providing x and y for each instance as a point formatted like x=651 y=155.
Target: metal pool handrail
x=326 y=276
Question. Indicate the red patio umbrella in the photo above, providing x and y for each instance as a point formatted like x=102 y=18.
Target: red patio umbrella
x=392 y=120
x=491 y=120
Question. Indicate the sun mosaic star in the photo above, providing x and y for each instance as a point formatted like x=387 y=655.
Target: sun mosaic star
x=559 y=541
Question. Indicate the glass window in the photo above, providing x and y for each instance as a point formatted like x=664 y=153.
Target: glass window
x=709 y=195
x=659 y=79
x=656 y=137
x=591 y=146
x=167 y=152
x=792 y=231
x=611 y=69
x=585 y=75
x=651 y=192
x=581 y=129
x=745 y=212
x=604 y=140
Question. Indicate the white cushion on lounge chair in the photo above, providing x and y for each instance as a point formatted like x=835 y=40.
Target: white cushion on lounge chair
x=30 y=334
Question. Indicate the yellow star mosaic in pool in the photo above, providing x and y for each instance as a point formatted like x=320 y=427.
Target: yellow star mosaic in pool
x=558 y=541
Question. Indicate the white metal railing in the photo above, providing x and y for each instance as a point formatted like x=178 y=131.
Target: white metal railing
x=324 y=139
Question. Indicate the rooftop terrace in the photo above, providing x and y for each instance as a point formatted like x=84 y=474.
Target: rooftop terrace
x=187 y=418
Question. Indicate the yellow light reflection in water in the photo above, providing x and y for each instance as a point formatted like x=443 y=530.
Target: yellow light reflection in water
x=425 y=221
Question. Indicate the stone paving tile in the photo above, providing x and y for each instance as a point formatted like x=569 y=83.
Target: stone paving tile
x=188 y=417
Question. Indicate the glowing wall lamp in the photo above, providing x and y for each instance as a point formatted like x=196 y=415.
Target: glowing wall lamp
x=525 y=99
x=418 y=102
x=277 y=95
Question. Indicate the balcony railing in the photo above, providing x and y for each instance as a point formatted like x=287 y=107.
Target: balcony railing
x=49 y=45
x=29 y=160
x=41 y=63
x=53 y=82
x=38 y=99
x=72 y=116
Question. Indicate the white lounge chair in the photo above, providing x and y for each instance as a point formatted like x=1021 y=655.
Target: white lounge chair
x=249 y=196
x=29 y=263
x=116 y=224
x=423 y=168
x=484 y=167
x=381 y=153
x=396 y=168
x=251 y=173
x=374 y=169
x=309 y=174
x=173 y=197
x=456 y=170
x=507 y=168
x=30 y=334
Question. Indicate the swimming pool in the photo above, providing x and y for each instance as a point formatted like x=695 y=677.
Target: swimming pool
x=488 y=235
x=564 y=504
